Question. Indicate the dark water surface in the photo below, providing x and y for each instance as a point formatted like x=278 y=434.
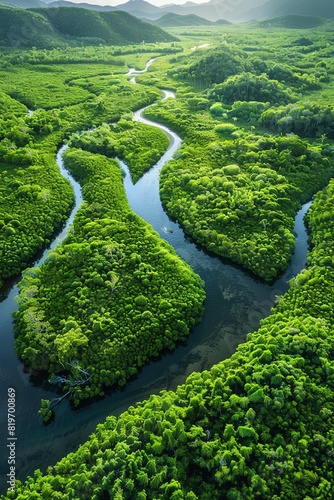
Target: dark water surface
x=234 y=305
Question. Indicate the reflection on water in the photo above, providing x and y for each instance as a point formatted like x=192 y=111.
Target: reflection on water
x=234 y=305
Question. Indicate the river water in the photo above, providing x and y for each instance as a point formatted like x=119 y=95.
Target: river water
x=234 y=305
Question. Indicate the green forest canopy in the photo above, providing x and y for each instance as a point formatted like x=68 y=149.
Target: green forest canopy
x=261 y=423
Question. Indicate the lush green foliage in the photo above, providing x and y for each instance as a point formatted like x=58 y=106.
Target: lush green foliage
x=235 y=192
x=112 y=296
x=293 y=22
x=312 y=292
x=213 y=67
x=114 y=28
x=248 y=87
x=23 y=28
x=35 y=199
x=234 y=187
x=34 y=202
x=56 y=27
x=139 y=145
x=89 y=85
x=135 y=55
x=10 y=107
x=305 y=119
x=258 y=425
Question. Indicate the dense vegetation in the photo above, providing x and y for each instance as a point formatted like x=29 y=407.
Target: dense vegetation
x=35 y=199
x=237 y=183
x=114 y=28
x=258 y=425
x=34 y=202
x=57 y=27
x=240 y=203
x=111 y=297
x=139 y=145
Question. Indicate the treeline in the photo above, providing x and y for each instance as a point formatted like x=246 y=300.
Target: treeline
x=258 y=425
x=110 y=298
x=139 y=145
x=250 y=87
x=86 y=54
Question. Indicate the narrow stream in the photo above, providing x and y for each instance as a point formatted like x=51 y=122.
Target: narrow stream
x=234 y=306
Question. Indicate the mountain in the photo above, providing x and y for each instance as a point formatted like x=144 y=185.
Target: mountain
x=292 y=22
x=145 y=9
x=170 y=20
x=214 y=9
x=22 y=4
x=65 y=3
x=278 y=8
x=50 y=27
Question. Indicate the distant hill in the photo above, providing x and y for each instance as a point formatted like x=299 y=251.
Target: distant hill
x=278 y=8
x=145 y=9
x=293 y=22
x=49 y=27
x=222 y=22
x=22 y=4
x=173 y=20
x=214 y=9
x=65 y=3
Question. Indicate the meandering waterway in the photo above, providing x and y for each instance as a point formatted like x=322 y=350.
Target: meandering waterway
x=234 y=305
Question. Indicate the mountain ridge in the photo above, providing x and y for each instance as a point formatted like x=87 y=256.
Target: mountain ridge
x=213 y=10
x=278 y=8
x=49 y=27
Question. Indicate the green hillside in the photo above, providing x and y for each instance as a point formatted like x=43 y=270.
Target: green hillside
x=293 y=22
x=45 y=28
x=133 y=29
x=23 y=28
x=277 y=8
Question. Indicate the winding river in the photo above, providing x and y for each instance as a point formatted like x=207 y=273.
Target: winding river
x=234 y=305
